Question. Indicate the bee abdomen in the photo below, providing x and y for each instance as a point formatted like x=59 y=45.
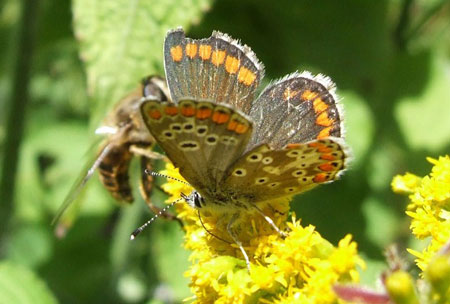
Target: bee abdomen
x=113 y=171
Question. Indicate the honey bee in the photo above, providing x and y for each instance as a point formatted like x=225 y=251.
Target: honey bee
x=126 y=136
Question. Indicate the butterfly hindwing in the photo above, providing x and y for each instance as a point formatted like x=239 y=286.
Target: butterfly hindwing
x=202 y=138
x=263 y=173
x=216 y=68
x=307 y=108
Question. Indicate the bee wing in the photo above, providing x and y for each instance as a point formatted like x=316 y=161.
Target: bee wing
x=84 y=176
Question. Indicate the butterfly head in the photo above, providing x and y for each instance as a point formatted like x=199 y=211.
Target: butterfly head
x=194 y=199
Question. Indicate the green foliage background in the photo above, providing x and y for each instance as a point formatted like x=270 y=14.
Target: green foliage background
x=389 y=59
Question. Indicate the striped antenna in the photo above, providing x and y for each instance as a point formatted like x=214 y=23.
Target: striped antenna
x=153 y=173
x=140 y=229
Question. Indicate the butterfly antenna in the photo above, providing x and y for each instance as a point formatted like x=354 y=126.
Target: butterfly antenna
x=153 y=173
x=140 y=229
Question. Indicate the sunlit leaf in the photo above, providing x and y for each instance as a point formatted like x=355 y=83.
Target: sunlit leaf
x=424 y=117
x=121 y=41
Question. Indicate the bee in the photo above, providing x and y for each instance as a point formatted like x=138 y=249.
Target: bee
x=126 y=136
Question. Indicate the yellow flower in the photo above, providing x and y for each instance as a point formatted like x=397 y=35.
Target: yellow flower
x=302 y=267
x=429 y=203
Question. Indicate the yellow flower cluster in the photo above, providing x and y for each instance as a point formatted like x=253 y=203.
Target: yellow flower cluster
x=300 y=268
x=429 y=207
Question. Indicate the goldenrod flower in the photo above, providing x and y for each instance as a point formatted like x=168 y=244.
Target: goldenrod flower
x=429 y=203
x=301 y=268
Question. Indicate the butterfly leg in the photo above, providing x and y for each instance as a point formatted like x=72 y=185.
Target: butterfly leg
x=270 y=221
x=235 y=239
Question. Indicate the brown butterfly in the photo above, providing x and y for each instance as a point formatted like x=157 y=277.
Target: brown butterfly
x=241 y=152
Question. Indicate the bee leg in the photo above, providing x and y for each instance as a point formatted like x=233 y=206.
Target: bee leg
x=146 y=188
x=235 y=239
x=146 y=152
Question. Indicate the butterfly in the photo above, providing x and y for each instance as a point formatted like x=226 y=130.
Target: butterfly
x=125 y=137
x=237 y=150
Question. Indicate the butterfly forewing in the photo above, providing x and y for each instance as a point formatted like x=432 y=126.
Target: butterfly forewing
x=306 y=109
x=264 y=173
x=216 y=68
x=202 y=138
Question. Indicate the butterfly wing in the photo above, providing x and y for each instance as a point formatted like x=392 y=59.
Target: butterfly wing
x=264 y=173
x=296 y=109
x=296 y=143
x=202 y=138
x=217 y=68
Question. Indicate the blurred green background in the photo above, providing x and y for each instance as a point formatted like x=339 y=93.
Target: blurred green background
x=64 y=64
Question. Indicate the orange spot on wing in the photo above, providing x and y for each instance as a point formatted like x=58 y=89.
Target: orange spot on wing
x=324 y=149
x=315 y=144
x=232 y=125
x=319 y=105
x=320 y=178
x=188 y=110
x=324 y=120
x=241 y=128
x=326 y=167
x=308 y=95
x=191 y=50
x=246 y=76
x=327 y=157
x=204 y=51
x=324 y=133
x=232 y=64
x=177 y=53
x=203 y=113
x=171 y=110
x=220 y=117
x=154 y=114
x=218 y=57
x=288 y=94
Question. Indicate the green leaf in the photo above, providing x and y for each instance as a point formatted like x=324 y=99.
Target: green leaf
x=424 y=117
x=19 y=285
x=121 y=41
x=382 y=225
